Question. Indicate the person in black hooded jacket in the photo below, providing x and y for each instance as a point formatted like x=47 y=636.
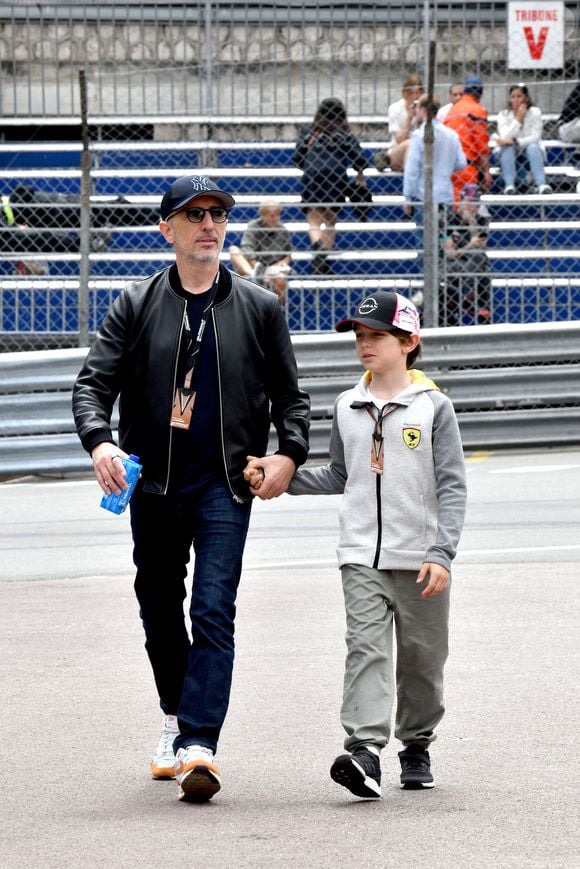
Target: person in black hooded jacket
x=324 y=151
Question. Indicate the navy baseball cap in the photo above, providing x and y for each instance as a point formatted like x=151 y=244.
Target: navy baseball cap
x=187 y=189
x=384 y=311
x=473 y=85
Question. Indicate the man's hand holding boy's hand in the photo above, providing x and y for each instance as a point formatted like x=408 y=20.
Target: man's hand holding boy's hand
x=254 y=475
x=438 y=579
x=269 y=476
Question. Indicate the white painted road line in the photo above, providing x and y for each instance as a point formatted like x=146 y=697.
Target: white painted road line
x=534 y=469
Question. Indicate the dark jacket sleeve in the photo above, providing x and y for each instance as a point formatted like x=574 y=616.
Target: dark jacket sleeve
x=571 y=107
x=98 y=383
x=290 y=405
x=301 y=149
x=356 y=154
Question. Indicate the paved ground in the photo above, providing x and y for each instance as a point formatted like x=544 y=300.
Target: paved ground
x=79 y=717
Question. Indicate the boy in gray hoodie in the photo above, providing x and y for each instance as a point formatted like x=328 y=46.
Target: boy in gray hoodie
x=396 y=454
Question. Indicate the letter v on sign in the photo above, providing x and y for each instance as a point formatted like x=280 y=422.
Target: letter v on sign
x=536 y=48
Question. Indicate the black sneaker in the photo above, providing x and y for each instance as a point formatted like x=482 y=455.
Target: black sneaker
x=415 y=768
x=359 y=772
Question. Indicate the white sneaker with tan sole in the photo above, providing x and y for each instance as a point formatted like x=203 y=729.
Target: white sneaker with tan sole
x=163 y=763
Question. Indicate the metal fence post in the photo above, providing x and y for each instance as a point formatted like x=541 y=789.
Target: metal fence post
x=208 y=60
x=430 y=228
x=84 y=265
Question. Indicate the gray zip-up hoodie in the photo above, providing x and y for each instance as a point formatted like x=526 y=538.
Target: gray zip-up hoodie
x=414 y=511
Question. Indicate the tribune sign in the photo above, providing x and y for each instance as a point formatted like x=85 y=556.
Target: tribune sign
x=535 y=34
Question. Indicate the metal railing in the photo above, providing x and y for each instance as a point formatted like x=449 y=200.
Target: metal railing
x=512 y=386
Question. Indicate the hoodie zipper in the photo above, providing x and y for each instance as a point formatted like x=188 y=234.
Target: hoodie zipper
x=379 y=522
x=385 y=410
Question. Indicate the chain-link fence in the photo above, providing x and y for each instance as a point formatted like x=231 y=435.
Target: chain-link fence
x=228 y=58
x=240 y=106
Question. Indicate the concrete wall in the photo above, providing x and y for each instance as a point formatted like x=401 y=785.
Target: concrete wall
x=159 y=69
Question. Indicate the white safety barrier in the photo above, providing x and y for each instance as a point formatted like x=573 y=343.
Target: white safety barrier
x=512 y=387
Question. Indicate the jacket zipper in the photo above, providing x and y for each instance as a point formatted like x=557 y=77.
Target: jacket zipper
x=386 y=409
x=379 y=523
x=172 y=395
x=236 y=498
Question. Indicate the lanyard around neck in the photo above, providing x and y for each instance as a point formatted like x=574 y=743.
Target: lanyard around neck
x=377 y=443
x=194 y=345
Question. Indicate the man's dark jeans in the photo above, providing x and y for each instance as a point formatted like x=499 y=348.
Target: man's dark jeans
x=193 y=679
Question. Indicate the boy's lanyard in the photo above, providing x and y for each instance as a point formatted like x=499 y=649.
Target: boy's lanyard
x=377 y=442
x=184 y=398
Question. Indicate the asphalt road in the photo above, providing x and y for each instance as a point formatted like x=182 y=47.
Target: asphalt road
x=79 y=719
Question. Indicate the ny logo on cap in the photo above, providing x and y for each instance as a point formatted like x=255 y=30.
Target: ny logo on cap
x=199 y=183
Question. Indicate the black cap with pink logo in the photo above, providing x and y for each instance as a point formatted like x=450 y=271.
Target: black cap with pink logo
x=384 y=311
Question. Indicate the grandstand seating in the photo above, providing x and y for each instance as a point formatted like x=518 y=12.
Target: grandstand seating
x=533 y=241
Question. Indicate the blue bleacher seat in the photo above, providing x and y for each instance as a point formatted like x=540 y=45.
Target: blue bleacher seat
x=521 y=246
x=181 y=161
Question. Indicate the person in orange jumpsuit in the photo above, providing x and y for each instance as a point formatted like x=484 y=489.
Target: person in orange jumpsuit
x=468 y=117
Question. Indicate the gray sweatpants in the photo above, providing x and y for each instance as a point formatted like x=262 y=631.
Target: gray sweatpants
x=374 y=600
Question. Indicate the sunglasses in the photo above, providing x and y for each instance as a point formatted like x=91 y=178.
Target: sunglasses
x=195 y=214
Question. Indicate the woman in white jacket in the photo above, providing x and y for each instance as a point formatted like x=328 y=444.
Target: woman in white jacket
x=519 y=138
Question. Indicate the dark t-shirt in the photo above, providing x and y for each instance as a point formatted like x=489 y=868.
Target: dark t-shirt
x=196 y=454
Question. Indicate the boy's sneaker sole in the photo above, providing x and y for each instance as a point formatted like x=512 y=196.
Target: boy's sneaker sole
x=347 y=772
x=200 y=783
x=416 y=785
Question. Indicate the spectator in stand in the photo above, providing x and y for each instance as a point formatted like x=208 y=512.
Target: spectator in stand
x=265 y=252
x=569 y=120
x=466 y=264
x=324 y=151
x=36 y=221
x=519 y=140
x=448 y=157
x=47 y=208
x=17 y=236
x=455 y=93
x=402 y=122
x=468 y=117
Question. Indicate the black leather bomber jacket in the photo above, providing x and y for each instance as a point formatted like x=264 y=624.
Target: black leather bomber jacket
x=135 y=357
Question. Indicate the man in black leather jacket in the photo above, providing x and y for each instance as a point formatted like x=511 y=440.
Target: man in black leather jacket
x=202 y=362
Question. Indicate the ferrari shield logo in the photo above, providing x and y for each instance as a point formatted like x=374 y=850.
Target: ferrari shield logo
x=412 y=437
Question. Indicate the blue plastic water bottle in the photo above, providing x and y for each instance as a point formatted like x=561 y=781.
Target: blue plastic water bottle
x=118 y=503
